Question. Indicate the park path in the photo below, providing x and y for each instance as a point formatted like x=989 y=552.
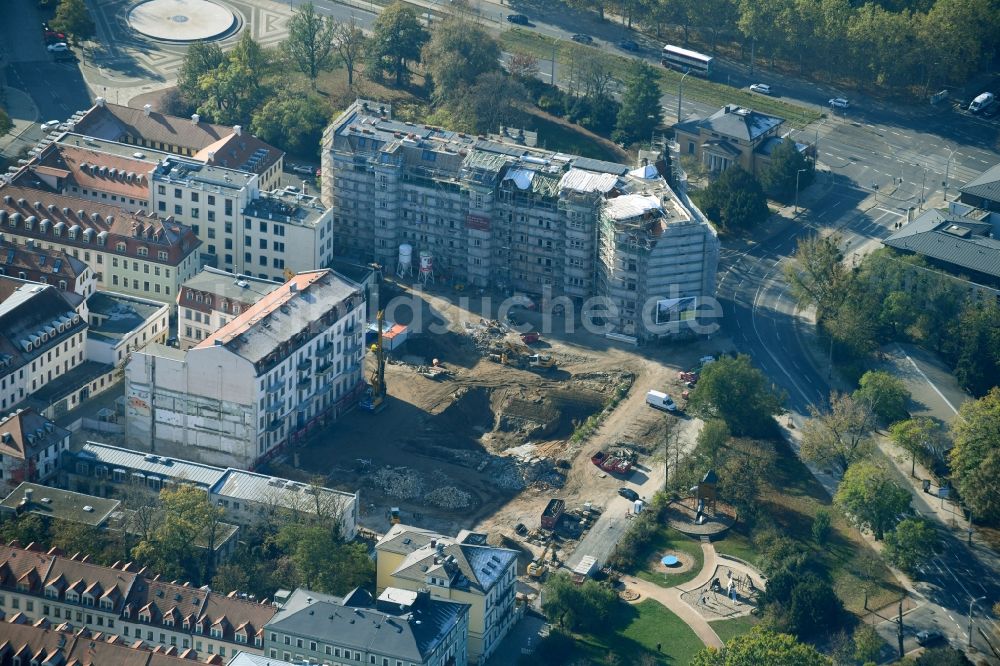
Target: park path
x=670 y=597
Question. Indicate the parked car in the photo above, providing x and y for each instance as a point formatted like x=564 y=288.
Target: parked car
x=583 y=39
x=628 y=494
x=57 y=47
x=761 y=88
x=929 y=637
x=52 y=37
x=628 y=45
x=302 y=168
x=519 y=19
x=839 y=103
x=50 y=125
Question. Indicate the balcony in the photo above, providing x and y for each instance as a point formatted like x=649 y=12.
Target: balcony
x=304 y=365
x=274 y=408
x=274 y=424
x=304 y=382
x=324 y=369
x=324 y=349
x=275 y=387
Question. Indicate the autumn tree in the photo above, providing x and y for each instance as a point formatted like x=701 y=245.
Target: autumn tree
x=522 y=66
x=816 y=274
x=761 y=646
x=870 y=499
x=322 y=561
x=458 y=53
x=73 y=18
x=201 y=58
x=294 y=123
x=310 y=41
x=840 y=436
x=923 y=438
x=231 y=93
x=350 y=43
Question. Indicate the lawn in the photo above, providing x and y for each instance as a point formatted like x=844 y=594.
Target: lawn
x=520 y=40
x=729 y=629
x=641 y=627
x=670 y=539
x=790 y=501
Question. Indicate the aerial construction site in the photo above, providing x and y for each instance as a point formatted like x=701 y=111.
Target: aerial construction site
x=481 y=425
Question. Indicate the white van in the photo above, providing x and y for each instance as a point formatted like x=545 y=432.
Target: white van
x=981 y=102
x=661 y=401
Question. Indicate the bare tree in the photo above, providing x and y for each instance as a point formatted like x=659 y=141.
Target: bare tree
x=349 y=42
x=522 y=66
x=840 y=436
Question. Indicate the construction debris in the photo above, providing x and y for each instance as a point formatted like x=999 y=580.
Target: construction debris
x=449 y=497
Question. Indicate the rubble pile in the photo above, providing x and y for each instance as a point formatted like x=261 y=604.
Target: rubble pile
x=449 y=497
x=486 y=334
x=401 y=482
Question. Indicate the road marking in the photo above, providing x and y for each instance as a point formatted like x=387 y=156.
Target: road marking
x=932 y=385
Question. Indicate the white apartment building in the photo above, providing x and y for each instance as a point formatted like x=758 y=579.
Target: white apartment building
x=497 y=214
x=131 y=253
x=285 y=232
x=287 y=364
x=212 y=298
x=42 y=338
x=121 y=324
x=30 y=445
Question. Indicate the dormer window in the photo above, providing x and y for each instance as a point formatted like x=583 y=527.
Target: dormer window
x=107 y=604
x=162 y=255
x=120 y=247
x=88 y=600
x=168 y=621
x=216 y=632
x=127 y=612
x=198 y=628
x=257 y=641
x=143 y=252
x=241 y=636
x=186 y=625
x=144 y=616
x=51 y=592
x=72 y=596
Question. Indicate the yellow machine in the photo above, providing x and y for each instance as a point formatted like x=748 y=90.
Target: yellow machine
x=538 y=567
x=394 y=515
x=374 y=399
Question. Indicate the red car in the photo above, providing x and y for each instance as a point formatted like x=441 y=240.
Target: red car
x=530 y=337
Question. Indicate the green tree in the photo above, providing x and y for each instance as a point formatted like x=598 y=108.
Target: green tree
x=6 y=124
x=294 y=123
x=921 y=437
x=711 y=442
x=201 y=58
x=867 y=644
x=586 y=607
x=733 y=390
x=458 y=53
x=231 y=92
x=189 y=520
x=787 y=168
x=870 y=499
x=838 y=438
x=821 y=525
x=641 y=112
x=975 y=457
x=73 y=18
x=978 y=364
x=350 y=43
x=735 y=201
x=72 y=537
x=27 y=528
x=761 y=646
x=943 y=656
x=885 y=394
x=746 y=464
x=397 y=37
x=321 y=561
x=815 y=608
x=816 y=274
x=494 y=99
x=310 y=41
x=911 y=544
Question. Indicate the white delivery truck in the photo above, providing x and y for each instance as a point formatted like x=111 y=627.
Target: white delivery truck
x=661 y=401
x=981 y=102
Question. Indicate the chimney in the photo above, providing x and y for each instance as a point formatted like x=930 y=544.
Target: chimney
x=238 y=129
x=293 y=288
x=147 y=109
x=99 y=101
x=195 y=118
x=211 y=155
x=28 y=492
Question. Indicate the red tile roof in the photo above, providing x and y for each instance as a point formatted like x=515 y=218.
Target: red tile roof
x=95 y=170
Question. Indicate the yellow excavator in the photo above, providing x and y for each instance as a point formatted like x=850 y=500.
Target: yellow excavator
x=374 y=398
x=538 y=567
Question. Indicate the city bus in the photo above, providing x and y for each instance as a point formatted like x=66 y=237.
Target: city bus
x=686 y=60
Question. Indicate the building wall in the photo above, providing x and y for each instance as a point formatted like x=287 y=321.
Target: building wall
x=56 y=359
x=41 y=467
x=115 y=352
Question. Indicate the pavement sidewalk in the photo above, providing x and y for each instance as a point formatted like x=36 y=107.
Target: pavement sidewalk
x=670 y=597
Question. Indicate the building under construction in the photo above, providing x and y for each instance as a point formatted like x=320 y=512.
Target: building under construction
x=495 y=213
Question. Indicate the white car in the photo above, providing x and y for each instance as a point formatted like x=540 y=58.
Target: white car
x=761 y=88
x=301 y=168
x=51 y=125
x=57 y=47
x=839 y=103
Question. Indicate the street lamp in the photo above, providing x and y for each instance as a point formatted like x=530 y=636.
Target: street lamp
x=947 y=173
x=797 y=174
x=680 y=94
x=972 y=602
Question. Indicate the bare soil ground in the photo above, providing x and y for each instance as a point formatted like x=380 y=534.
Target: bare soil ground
x=479 y=449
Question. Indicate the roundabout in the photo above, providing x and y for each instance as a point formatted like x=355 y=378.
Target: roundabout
x=181 y=21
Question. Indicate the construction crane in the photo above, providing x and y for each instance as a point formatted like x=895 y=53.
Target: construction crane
x=374 y=399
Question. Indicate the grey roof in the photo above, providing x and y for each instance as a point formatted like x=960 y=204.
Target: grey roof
x=30 y=311
x=467 y=562
x=63 y=504
x=600 y=166
x=242 y=485
x=986 y=185
x=950 y=239
x=409 y=630
x=247 y=659
x=118 y=315
x=162 y=466
x=224 y=284
x=734 y=121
